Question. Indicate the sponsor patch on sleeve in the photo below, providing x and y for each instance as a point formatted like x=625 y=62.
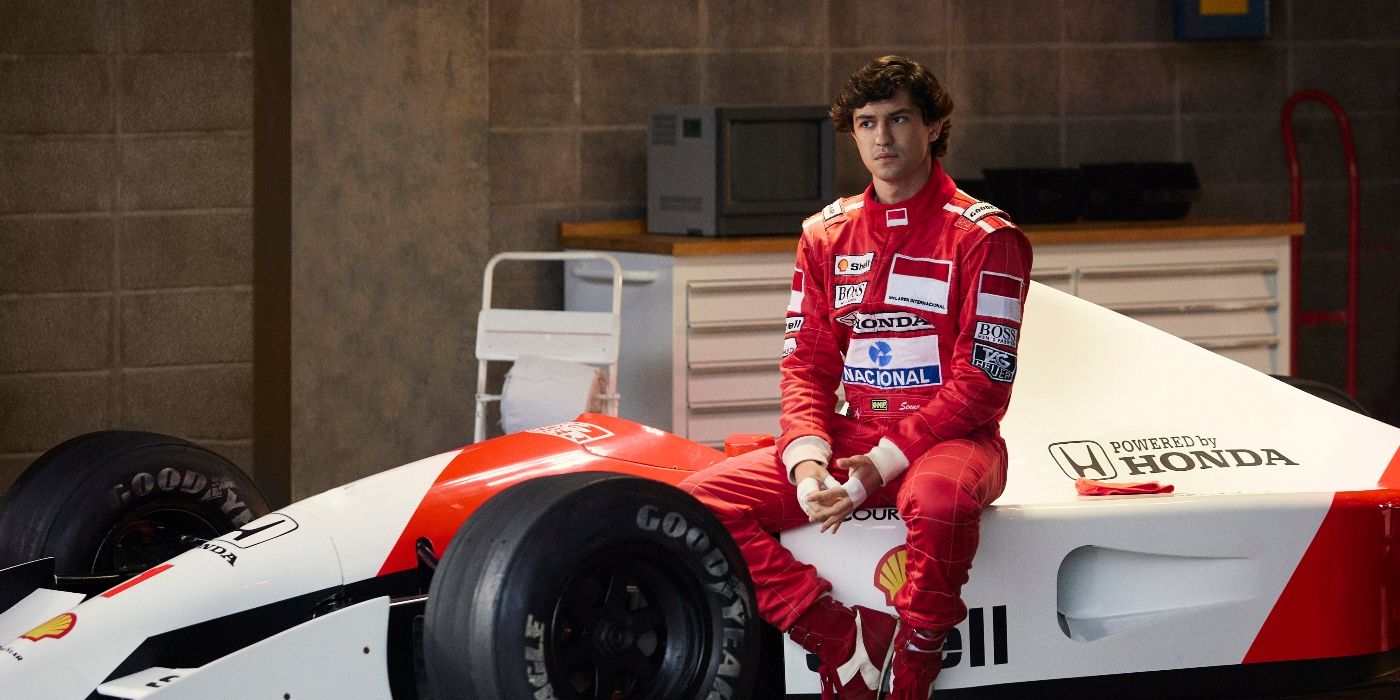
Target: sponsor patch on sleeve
x=994 y=333
x=789 y=346
x=832 y=210
x=795 y=301
x=999 y=296
x=854 y=264
x=921 y=283
x=981 y=209
x=998 y=365
x=847 y=294
x=794 y=324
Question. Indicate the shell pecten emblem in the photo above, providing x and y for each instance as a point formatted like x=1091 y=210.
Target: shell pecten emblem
x=890 y=573
x=54 y=628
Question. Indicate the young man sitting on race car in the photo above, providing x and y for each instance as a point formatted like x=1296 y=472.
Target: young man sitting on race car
x=909 y=295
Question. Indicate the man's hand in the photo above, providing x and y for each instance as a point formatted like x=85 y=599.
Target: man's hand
x=829 y=507
x=863 y=468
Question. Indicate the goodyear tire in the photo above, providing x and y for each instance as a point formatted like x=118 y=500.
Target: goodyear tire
x=591 y=586
x=118 y=502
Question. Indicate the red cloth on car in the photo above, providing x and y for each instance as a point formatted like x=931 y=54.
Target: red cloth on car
x=1089 y=487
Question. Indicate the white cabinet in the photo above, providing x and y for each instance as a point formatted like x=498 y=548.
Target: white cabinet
x=1229 y=295
x=701 y=337
x=702 y=333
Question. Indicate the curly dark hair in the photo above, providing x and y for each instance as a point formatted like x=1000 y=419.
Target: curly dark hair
x=881 y=79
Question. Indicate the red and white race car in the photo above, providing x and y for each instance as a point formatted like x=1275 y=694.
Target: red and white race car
x=561 y=562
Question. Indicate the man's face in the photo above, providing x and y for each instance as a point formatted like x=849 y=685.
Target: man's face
x=893 y=138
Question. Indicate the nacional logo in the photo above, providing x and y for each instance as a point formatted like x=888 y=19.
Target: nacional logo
x=1157 y=454
x=574 y=431
x=847 y=294
x=885 y=322
x=55 y=628
x=997 y=333
x=893 y=363
x=854 y=264
x=999 y=365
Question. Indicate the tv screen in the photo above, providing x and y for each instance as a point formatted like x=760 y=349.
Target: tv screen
x=734 y=171
x=774 y=161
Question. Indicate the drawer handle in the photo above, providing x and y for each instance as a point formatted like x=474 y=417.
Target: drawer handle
x=1178 y=270
x=735 y=406
x=598 y=274
x=1196 y=306
x=713 y=366
x=1265 y=341
x=731 y=286
x=762 y=324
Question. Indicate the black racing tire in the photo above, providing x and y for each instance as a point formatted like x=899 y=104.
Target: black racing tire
x=1324 y=391
x=597 y=586
x=118 y=502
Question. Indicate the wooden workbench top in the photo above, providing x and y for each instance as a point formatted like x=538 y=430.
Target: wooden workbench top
x=630 y=236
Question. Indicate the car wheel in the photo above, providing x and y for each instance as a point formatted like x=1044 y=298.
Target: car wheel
x=591 y=586
x=111 y=504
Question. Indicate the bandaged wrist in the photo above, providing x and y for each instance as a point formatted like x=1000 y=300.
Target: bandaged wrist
x=805 y=488
x=809 y=486
x=856 y=490
x=888 y=459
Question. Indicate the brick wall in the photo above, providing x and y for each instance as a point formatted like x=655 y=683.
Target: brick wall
x=125 y=222
x=1046 y=83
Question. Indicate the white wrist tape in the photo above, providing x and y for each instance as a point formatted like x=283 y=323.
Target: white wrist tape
x=810 y=485
x=856 y=490
x=805 y=488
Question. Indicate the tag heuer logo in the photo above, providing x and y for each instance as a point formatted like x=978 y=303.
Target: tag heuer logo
x=999 y=365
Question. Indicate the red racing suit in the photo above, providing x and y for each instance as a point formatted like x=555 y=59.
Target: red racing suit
x=915 y=309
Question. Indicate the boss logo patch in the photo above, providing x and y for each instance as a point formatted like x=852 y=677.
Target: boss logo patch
x=847 y=294
x=997 y=364
x=997 y=333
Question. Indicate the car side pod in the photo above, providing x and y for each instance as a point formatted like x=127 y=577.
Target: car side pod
x=345 y=648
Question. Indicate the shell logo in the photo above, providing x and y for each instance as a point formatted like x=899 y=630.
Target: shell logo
x=890 y=573
x=55 y=628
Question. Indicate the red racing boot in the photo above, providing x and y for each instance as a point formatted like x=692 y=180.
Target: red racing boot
x=918 y=657
x=853 y=645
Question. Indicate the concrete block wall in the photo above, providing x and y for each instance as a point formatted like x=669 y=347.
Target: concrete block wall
x=125 y=227
x=430 y=133
x=1052 y=83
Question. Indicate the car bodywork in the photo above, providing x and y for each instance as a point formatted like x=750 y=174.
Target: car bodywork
x=1274 y=547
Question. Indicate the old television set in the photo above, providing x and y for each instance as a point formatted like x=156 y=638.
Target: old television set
x=735 y=171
